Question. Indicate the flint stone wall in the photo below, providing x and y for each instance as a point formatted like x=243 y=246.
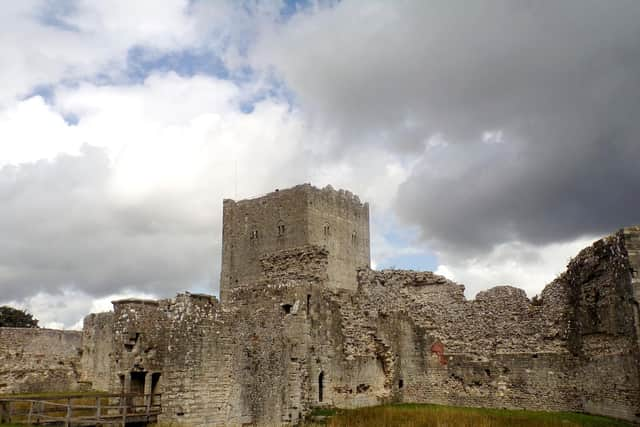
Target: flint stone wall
x=35 y=360
x=288 y=342
x=97 y=350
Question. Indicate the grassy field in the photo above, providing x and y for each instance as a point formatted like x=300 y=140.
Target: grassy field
x=446 y=416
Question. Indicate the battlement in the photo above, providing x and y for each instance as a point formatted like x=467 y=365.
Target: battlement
x=304 y=215
x=327 y=192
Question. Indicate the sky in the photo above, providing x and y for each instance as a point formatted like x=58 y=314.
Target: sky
x=492 y=139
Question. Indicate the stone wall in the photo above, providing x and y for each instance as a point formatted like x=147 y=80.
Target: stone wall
x=292 y=218
x=37 y=360
x=288 y=342
x=253 y=228
x=301 y=326
x=603 y=326
x=97 y=351
x=339 y=222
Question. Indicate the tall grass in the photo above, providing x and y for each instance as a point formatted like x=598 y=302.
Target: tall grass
x=447 y=416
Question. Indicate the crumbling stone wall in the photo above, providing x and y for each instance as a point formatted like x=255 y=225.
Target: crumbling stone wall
x=288 y=342
x=603 y=325
x=304 y=322
x=36 y=360
x=97 y=361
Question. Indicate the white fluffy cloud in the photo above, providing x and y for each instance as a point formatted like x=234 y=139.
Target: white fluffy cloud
x=470 y=124
x=518 y=264
x=129 y=196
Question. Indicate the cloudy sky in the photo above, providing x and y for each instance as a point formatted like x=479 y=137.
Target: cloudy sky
x=493 y=139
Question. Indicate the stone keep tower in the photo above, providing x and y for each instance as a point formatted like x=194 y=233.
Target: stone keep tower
x=295 y=217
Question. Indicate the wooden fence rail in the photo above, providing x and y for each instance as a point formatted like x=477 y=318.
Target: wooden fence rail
x=81 y=409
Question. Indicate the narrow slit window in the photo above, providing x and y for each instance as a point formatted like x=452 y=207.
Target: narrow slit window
x=354 y=238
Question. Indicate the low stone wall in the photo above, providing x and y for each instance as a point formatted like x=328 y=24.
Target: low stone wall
x=39 y=360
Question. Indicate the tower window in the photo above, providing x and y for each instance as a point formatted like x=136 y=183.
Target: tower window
x=326 y=230
x=281 y=229
x=253 y=235
x=354 y=238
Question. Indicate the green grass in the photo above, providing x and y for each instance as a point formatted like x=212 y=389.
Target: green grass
x=414 y=415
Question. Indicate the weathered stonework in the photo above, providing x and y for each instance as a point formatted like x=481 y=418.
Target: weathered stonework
x=286 y=337
x=36 y=360
x=295 y=217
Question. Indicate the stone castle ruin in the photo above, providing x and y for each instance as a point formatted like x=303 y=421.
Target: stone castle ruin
x=304 y=322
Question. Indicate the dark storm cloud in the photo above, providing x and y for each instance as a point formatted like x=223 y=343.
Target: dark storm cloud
x=560 y=80
x=63 y=227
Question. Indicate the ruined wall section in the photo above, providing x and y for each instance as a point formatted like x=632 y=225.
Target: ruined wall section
x=340 y=222
x=140 y=340
x=273 y=330
x=97 y=363
x=36 y=360
x=603 y=329
x=273 y=352
x=198 y=383
x=183 y=348
x=432 y=345
x=574 y=349
x=285 y=341
x=632 y=245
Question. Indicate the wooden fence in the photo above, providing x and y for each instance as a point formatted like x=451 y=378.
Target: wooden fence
x=81 y=409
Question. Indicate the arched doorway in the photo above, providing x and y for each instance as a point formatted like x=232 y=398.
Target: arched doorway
x=320 y=386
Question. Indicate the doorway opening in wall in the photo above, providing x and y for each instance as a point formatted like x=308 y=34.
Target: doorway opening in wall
x=320 y=386
x=401 y=383
x=121 y=377
x=155 y=381
x=137 y=382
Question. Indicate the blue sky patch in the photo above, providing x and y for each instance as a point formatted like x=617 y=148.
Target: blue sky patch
x=141 y=62
x=53 y=14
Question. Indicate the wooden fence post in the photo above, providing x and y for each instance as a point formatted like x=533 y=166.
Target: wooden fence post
x=147 y=398
x=4 y=413
x=67 y=422
x=125 y=409
x=98 y=412
x=30 y=412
